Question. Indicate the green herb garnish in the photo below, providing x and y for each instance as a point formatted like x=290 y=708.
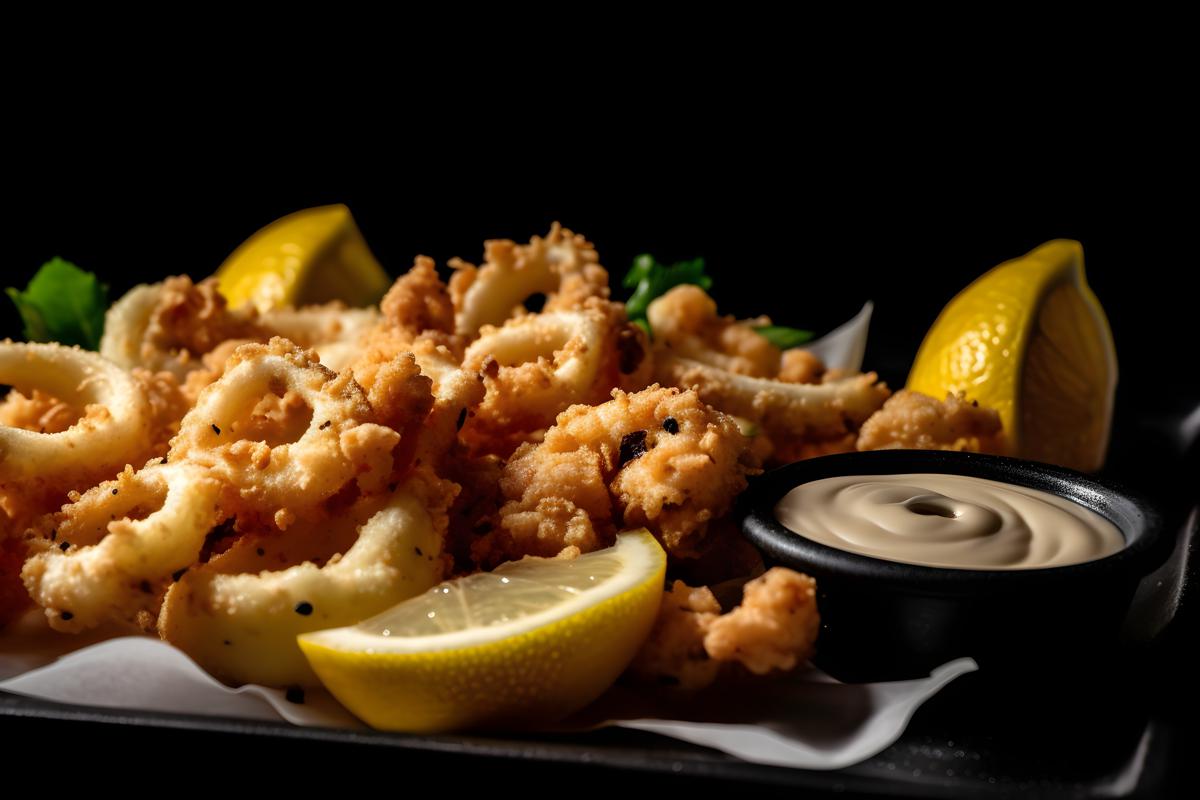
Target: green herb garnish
x=783 y=337
x=650 y=279
x=62 y=303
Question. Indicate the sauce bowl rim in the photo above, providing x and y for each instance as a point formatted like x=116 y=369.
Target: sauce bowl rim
x=1139 y=523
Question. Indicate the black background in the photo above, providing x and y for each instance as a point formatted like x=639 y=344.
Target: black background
x=804 y=239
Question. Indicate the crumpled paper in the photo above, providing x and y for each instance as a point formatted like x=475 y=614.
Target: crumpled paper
x=845 y=346
x=806 y=720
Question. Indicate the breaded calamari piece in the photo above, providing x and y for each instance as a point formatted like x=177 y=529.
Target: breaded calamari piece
x=536 y=366
x=40 y=411
x=911 y=420
x=774 y=628
x=659 y=458
x=800 y=408
x=563 y=266
x=685 y=320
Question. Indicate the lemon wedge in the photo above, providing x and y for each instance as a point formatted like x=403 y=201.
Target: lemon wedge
x=530 y=642
x=312 y=256
x=1030 y=339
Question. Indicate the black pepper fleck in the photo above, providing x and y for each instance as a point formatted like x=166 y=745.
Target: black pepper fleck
x=633 y=446
x=670 y=425
x=261 y=552
x=66 y=616
x=295 y=695
x=326 y=424
x=462 y=419
x=216 y=430
x=418 y=551
x=64 y=546
x=115 y=491
x=145 y=587
x=304 y=608
x=227 y=642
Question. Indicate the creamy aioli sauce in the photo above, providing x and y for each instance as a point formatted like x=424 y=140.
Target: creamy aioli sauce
x=947 y=521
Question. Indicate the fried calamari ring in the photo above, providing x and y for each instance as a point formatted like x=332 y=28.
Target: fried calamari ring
x=109 y=435
x=784 y=410
x=332 y=329
x=168 y=326
x=658 y=458
x=563 y=266
x=685 y=320
x=113 y=545
x=240 y=621
x=539 y=364
x=341 y=443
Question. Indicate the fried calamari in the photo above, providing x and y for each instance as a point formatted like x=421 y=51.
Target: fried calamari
x=659 y=458
x=774 y=628
x=911 y=420
x=563 y=266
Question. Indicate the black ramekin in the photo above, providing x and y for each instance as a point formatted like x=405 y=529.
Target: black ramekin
x=883 y=620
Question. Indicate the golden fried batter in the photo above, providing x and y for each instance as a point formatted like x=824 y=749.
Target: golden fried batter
x=685 y=320
x=563 y=266
x=39 y=411
x=674 y=654
x=658 y=458
x=537 y=365
x=800 y=408
x=911 y=420
x=774 y=628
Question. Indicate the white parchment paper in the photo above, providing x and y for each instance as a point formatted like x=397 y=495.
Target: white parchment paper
x=805 y=720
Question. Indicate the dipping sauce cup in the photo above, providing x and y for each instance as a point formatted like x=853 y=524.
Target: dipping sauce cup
x=883 y=619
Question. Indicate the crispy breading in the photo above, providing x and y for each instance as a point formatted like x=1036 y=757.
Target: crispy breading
x=538 y=365
x=563 y=266
x=911 y=420
x=658 y=458
x=674 y=654
x=774 y=628
x=39 y=411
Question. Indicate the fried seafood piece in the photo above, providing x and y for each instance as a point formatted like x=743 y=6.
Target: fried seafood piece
x=685 y=320
x=563 y=266
x=801 y=408
x=538 y=365
x=659 y=458
x=416 y=308
x=239 y=614
x=774 y=628
x=106 y=555
x=172 y=325
x=39 y=412
x=790 y=414
x=338 y=440
x=112 y=428
x=911 y=420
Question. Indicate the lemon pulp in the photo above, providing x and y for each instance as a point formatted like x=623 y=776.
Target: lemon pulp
x=1030 y=339
x=312 y=256
x=530 y=642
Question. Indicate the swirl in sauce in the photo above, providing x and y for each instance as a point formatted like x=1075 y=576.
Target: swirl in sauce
x=947 y=521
